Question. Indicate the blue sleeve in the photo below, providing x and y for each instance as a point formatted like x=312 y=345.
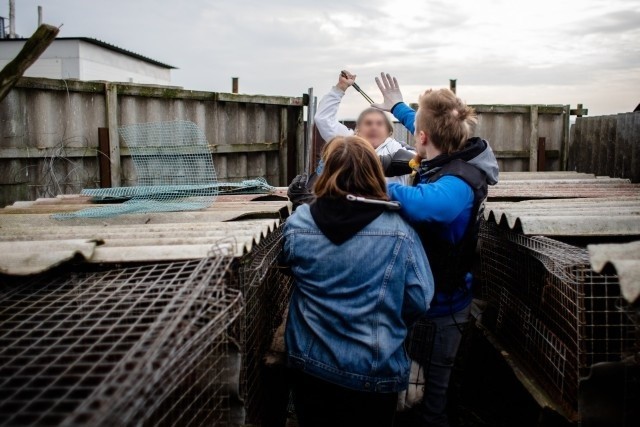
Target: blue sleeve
x=405 y=115
x=441 y=201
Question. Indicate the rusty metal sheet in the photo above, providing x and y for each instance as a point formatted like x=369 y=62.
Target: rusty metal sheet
x=625 y=259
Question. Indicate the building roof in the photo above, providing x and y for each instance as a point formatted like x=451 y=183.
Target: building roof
x=108 y=46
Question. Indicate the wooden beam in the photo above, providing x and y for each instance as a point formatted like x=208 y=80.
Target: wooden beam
x=542 y=158
x=27 y=153
x=282 y=158
x=524 y=154
x=111 y=97
x=30 y=52
x=564 y=143
x=517 y=109
x=244 y=148
x=155 y=91
x=579 y=111
x=533 y=139
x=104 y=164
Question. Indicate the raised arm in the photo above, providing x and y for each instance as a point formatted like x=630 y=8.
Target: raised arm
x=326 y=120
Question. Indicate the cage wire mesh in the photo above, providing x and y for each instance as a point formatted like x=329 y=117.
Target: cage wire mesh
x=266 y=289
x=175 y=172
x=141 y=345
x=557 y=315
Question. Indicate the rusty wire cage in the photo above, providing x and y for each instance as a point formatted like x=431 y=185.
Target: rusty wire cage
x=141 y=345
x=552 y=311
x=266 y=288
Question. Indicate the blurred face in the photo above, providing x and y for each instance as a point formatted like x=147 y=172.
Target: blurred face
x=373 y=128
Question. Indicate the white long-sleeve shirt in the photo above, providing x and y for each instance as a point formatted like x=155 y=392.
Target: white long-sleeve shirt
x=329 y=127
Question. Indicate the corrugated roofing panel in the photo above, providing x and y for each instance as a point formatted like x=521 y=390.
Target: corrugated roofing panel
x=569 y=217
x=625 y=259
x=32 y=242
x=537 y=186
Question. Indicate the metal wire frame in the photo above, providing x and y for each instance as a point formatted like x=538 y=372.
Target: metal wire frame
x=556 y=314
x=113 y=347
x=266 y=289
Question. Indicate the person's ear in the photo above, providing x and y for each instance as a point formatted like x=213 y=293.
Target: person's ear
x=355 y=131
x=423 y=138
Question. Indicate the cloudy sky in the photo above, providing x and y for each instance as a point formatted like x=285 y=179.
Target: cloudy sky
x=501 y=51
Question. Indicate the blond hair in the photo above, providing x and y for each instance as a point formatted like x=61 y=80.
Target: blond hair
x=446 y=119
x=351 y=166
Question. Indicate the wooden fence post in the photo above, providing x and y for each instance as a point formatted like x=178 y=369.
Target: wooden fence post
x=283 y=152
x=542 y=154
x=111 y=96
x=533 y=140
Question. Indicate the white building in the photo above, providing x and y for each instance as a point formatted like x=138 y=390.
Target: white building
x=85 y=58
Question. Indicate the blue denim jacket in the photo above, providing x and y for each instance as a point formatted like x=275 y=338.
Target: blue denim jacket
x=352 y=303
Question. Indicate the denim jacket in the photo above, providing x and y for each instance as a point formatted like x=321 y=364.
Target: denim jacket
x=352 y=303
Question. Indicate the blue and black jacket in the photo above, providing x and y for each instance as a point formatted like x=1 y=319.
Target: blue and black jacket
x=444 y=205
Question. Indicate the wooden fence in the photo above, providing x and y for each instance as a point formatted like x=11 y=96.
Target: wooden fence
x=54 y=134
x=523 y=137
x=607 y=145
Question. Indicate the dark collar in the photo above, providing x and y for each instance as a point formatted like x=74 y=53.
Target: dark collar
x=340 y=219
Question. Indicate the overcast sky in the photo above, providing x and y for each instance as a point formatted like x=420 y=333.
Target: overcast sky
x=543 y=51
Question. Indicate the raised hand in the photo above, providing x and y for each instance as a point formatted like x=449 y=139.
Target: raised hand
x=390 y=90
x=345 y=80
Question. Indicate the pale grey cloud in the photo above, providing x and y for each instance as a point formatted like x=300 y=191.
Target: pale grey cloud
x=547 y=51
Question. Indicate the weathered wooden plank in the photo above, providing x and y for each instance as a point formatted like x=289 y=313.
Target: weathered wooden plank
x=635 y=148
x=517 y=109
x=594 y=138
x=30 y=52
x=111 y=96
x=284 y=152
x=533 y=139
x=523 y=154
x=155 y=91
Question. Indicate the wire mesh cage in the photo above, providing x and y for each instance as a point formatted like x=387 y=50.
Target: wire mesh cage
x=142 y=345
x=556 y=314
x=174 y=169
x=266 y=289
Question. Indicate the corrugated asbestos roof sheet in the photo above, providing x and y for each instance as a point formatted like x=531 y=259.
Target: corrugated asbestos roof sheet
x=32 y=242
x=565 y=204
x=569 y=217
x=625 y=259
x=559 y=185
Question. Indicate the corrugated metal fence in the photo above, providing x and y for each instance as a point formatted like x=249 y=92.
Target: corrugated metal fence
x=50 y=141
x=607 y=145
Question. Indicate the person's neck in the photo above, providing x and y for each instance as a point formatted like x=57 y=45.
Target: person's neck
x=432 y=152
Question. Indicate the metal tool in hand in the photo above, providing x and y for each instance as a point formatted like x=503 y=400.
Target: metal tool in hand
x=356 y=87
x=394 y=206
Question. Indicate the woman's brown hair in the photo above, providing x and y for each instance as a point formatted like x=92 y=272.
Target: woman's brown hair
x=351 y=166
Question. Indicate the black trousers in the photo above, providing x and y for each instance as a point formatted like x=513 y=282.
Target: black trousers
x=320 y=403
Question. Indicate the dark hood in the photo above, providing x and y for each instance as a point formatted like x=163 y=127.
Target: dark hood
x=340 y=219
x=476 y=152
